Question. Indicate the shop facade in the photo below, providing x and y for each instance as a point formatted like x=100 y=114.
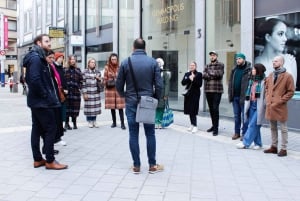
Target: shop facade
x=178 y=31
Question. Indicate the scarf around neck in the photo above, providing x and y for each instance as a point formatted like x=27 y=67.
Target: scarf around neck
x=277 y=72
x=253 y=79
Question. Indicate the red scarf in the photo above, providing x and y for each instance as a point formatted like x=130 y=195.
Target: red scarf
x=56 y=75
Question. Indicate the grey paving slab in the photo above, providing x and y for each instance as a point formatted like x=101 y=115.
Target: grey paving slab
x=197 y=166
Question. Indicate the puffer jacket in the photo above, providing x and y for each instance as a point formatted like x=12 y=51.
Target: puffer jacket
x=41 y=88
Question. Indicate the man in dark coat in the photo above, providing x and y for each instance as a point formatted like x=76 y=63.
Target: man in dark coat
x=149 y=83
x=42 y=100
x=237 y=86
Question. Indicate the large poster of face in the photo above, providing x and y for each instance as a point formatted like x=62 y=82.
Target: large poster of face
x=279 y=34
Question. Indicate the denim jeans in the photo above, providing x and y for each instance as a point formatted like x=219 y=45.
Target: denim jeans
x=238 y=110
x=253 y=132
x=134 y=138
x=91 y=118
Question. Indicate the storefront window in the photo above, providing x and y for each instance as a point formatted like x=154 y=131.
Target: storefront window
x=169 y=30
x=126 y=28
x=223 y=35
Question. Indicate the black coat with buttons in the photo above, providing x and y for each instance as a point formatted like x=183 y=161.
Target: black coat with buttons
x=191 y=101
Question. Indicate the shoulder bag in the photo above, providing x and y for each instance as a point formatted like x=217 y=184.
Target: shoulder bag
x=146 y=107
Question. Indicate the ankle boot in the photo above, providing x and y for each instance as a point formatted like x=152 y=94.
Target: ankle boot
x=67 y=126
x=113 y=115
x=121 y=113
x=123 y=126
x=74 y=123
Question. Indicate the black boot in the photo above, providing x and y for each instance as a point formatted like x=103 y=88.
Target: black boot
x=67 y=125
x=74 y=123
x=121 y=113
x=113 y=115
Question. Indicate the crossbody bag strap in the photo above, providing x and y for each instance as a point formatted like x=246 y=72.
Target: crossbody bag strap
x=133 y=78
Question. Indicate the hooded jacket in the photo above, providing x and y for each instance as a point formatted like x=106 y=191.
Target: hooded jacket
x=41 y=90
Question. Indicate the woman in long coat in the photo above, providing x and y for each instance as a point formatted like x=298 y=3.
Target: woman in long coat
x=164 y=94
x=91 y=93
x=113 y=100
x=193 y=81
x=73 y=78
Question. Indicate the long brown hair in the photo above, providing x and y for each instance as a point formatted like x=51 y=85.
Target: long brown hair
x=69 y=58
x=109 y=63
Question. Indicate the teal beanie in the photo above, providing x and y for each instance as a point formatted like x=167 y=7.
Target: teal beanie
x=240 y=55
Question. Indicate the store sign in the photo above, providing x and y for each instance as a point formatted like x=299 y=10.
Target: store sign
x=11 y=57
x=167 y=14
x=5 y=32
x=56 y=32
x=76 y=40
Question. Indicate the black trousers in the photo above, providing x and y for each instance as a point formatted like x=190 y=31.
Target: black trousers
x=113 y=115
x=193 y=119
x=44 y=125
x=213 y=100
x=59 y=122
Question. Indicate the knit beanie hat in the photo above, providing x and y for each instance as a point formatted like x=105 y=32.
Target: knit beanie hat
x=57 y=55
x=240 y=55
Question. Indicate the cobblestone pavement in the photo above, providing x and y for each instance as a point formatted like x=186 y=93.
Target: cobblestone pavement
x=197 y=166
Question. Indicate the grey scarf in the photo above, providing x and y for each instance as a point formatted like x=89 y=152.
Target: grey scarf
x=277 y=72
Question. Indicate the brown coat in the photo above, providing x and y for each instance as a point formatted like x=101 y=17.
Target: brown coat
x=278 y=95
x=112 y=98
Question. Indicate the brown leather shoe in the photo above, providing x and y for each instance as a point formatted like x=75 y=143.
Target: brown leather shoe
x=271 y=150
x=37 y=164
x=282 y=153
x=236 y=136
x=55 y=166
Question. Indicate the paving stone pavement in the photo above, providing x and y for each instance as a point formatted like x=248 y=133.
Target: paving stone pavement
x=197 y=166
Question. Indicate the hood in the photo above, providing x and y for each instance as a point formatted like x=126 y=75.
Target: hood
x=35 y=51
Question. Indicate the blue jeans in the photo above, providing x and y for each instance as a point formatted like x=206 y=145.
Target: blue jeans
x=238 y=110
x=253 y=132
x=134 y=138
x=91 y=118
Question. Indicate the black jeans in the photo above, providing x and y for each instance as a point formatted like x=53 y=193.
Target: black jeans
x=213 y=100
x=44 y=125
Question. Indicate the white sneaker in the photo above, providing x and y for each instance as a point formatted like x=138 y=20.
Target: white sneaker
x=256 y=147
x=240 y=146
x=91 y=125
x=195 y=129
x=190 y=128
x=95 y=124
x=61 y=142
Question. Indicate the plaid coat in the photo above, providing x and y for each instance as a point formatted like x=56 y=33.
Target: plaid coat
x=213 y=74
x=73 y=78
x=112 y=98
x=92 y=106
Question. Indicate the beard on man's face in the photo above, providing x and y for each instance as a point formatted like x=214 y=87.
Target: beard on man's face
x=213 y=60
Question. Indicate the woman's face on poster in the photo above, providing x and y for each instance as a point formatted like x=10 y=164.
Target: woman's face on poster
x=277 y=39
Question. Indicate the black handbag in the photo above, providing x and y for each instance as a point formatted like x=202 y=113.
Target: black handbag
x=110 y=83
